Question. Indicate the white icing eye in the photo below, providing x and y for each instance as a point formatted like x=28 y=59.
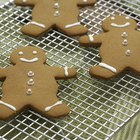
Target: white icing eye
x=127 y=17
x=34 y=52
x=20 y=53
x=112 y=18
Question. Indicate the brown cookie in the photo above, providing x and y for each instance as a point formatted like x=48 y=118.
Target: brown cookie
x=60 y=14
x=32 y=84
x=119 y=47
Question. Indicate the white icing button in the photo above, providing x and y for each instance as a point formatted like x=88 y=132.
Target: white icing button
x=20 y=53
x=30 y=74
x=56 y=5
x=56 y=14
x=124 y=34
x=24 y=1
x=127 y=53
x=30 y=82
x=29 y=92
x=125 y=42
x=84 y=0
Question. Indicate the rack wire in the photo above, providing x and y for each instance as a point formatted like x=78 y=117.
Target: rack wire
x=99 y=108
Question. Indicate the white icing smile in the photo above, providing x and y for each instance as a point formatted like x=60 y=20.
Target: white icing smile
x=29 y=60
x=120 y=25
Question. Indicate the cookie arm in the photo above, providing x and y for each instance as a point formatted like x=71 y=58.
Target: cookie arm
x=85 y=2
x=64 y=72
x=25 y=2
x=95 y=40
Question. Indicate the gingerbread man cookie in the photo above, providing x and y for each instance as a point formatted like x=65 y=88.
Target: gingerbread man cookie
x=60 y=14
x=120 y=46
x=32 y=84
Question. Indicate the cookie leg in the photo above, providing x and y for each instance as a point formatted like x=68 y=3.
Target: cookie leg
x=53 y=110
x=8 y=109
x=104 y=71
x=57 y=109
x=34 y=28
x=73 y=29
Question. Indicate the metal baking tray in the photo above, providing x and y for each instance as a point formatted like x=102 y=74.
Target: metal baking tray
x=99 y=108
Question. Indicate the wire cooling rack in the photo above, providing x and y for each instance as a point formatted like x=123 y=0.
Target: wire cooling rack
x=99 y=108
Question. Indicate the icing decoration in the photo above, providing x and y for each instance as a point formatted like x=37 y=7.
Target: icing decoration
x=56 y=6
x=66 y=71
x=71 y=25
x=30 y=74
x=24 y=0
x=8 y=105
x=112 y=18
x=125 y=42
x=91 y=39
x=50 y=107
x=37 y=24
x=120 y=26
x=56 y=13
x=108 y=67
x=127 y=17
x=30 y=82
x=29 y=92
x=34 y=52
x=29 y=60
x=20 y=53
x=124 y=34
x=128 y=52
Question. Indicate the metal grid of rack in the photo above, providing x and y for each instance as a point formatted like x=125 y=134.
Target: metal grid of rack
x=99 y=108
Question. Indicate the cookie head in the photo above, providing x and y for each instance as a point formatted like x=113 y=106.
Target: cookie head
x=118 y=22
x=28 y=55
